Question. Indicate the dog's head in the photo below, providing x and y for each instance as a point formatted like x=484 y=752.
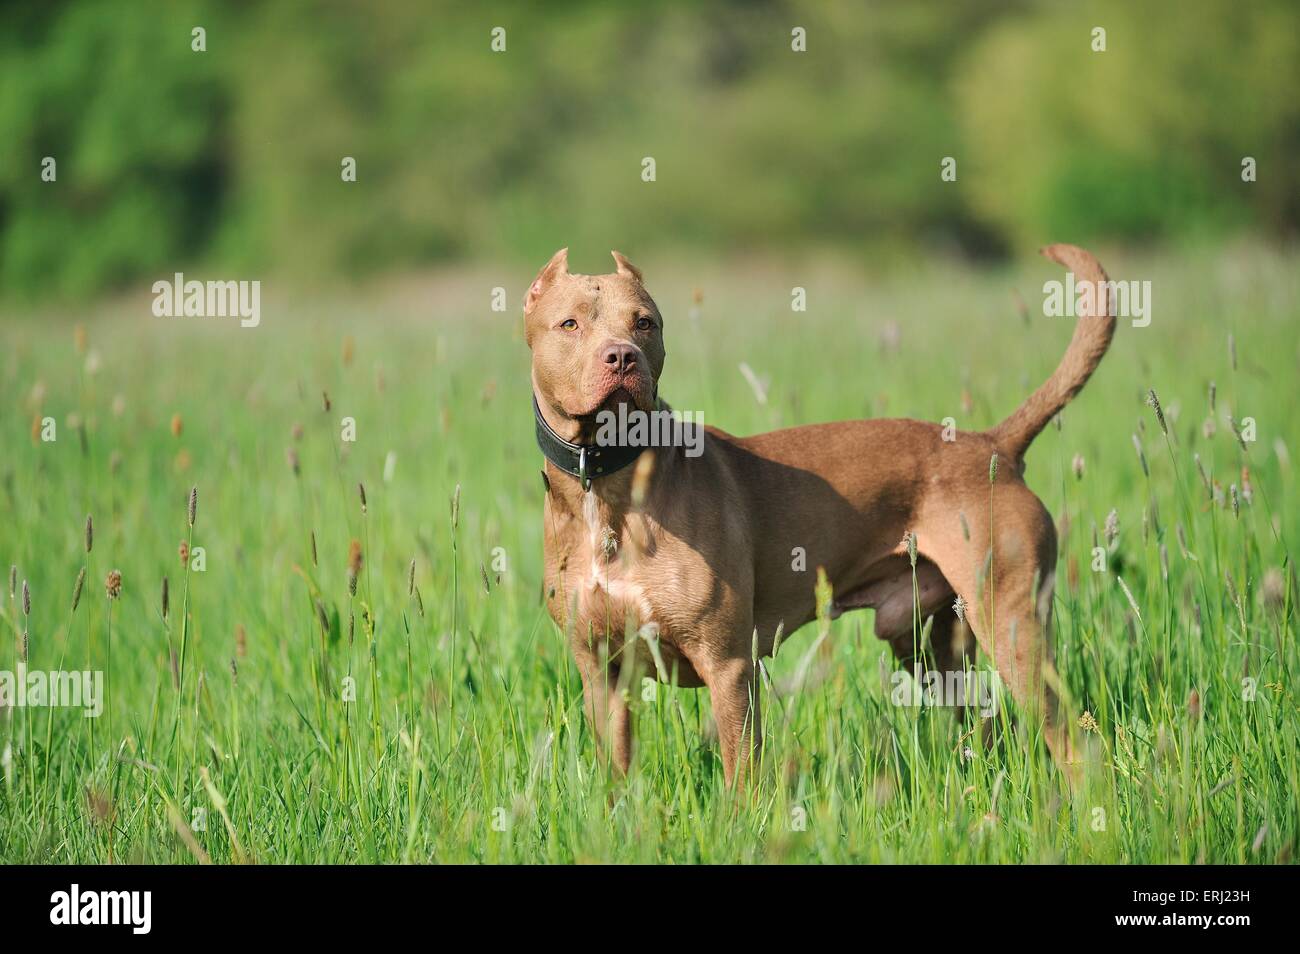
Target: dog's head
x=597 y=342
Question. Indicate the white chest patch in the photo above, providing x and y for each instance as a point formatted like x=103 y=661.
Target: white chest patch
x=606 y=572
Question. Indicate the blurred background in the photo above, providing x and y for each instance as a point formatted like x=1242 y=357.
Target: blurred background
x=231 y=158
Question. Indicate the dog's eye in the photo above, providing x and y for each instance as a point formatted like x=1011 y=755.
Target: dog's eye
x=569 y=324
x=644 y=324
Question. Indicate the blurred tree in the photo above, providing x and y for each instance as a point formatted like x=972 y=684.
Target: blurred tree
x=234 y=156
x=131 y=117
x=1145 y=140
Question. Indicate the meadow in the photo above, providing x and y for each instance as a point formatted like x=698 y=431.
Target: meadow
x=272 y=715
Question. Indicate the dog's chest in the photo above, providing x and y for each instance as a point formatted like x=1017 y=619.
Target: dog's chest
x=625 y=583
x=603 y=579
x=612 y=576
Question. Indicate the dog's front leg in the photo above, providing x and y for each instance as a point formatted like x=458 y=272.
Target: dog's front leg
x=734 y=692
x=606 y=705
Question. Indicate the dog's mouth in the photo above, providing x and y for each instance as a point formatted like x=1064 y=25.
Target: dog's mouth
x=631 y=392
x=621 y=397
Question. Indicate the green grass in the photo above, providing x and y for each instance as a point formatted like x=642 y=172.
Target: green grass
x=467 y=741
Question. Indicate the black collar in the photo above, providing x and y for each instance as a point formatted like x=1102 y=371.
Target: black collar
x=584 y=461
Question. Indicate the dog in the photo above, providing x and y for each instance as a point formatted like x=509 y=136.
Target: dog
x=681 y=566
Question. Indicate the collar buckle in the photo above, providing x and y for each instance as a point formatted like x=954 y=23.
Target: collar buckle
x=582 y=469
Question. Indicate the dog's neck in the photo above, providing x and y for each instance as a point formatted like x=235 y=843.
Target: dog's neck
x=604 y=521
x=605 y=514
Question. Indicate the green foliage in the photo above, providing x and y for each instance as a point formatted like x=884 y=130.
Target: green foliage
x=133 y=120
x=1145 y=140
x=232 y=156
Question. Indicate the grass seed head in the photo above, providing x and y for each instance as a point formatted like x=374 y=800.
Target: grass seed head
x=361 y=489
x=313 y=549
x=993 y=468
x=1205 y=478
x=1236 y=432
x=1154 y=402
x=1077 y=466
x=194 y=505
x=113 y=584
x=27 y=600
x=1142 y=456
x=184 y=552
x=354 y=556
x=291 y=456
x=410 y=579
x=90 y=533
x=76 y=588
x=166 y=601
x=909 y=544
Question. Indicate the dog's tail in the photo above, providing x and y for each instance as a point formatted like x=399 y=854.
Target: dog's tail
x=1091 y=338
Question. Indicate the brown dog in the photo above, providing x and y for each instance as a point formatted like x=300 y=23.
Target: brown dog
x=683 y=565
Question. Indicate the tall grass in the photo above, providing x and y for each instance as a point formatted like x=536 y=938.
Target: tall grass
x=453 y=728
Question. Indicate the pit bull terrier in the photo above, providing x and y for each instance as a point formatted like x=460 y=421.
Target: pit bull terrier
x=656 y=561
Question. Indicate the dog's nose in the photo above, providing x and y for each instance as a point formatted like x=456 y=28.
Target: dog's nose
x=620 y=357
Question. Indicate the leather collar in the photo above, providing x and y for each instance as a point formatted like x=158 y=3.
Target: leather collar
x=584 y=461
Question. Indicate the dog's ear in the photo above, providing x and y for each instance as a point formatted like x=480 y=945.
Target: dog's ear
x=556 y=268
x=625 y=267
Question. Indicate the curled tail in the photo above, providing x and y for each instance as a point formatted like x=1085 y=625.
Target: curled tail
x=1091 y=338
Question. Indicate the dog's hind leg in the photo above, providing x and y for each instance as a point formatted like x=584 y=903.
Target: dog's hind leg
x=1004 y=571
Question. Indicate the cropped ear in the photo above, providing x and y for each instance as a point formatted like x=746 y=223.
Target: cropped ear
x=556 y=268
x=625 y=267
